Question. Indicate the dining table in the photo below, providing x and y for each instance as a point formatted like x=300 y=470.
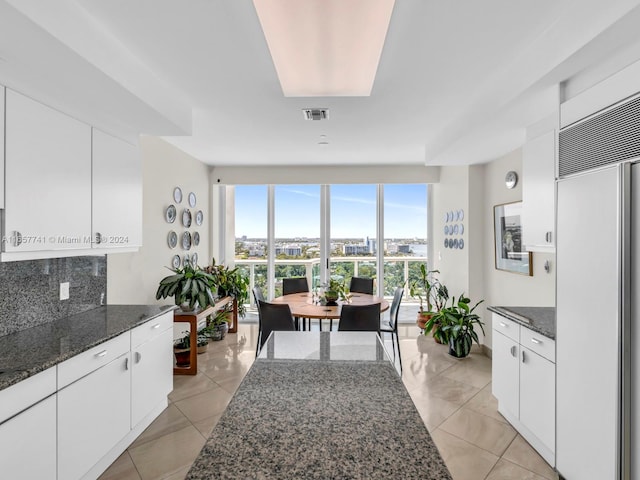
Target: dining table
x=309 y=305
x=321 y=405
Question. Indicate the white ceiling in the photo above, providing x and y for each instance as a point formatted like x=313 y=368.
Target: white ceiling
x=458 y=81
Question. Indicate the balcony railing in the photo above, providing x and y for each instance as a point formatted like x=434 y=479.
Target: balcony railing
x=397 y=270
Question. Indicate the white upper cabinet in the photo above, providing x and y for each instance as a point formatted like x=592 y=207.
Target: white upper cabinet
x=48 y=178
x=538 y=192
x=117 y=193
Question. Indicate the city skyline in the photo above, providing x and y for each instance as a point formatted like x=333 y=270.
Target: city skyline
x=353 y=211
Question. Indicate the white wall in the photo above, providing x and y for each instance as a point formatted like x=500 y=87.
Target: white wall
x=476 y=189
x=500 y=287
x=133 y=278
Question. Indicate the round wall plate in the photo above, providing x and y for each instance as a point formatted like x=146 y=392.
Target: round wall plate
x=177 y=194
x=175 y=261
x=170 y=214
x=199 y=217
x=192 y=199
x=172 y=239
x=186 y=218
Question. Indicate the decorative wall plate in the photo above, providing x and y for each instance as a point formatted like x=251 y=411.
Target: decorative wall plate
x=446 y=243
x=186 y=260
x=186 y=218
x=186 y=241
x=199 y=217
x=194 y=259
x=461 y=244
x=461 y=228
x=461 y=214
x=177 y=195
x=170 y=214
x=192 y=199
x=175 y=261
x=455 y=229
x=455 y=243
x=445 y=218
x=196 y=238
x=172 y=239
x=446 y=229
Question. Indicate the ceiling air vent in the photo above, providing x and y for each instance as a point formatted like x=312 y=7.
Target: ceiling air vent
x=315 y=113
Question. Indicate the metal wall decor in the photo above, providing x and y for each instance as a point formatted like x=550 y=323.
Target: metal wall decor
x=453 y=228
x=187 y=240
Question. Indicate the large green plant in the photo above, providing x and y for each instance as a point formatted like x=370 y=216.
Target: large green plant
x=230 y=281
x=428 y=290
x=188 y=285
x=456 y=324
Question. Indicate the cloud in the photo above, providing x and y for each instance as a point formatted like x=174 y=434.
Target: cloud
x=302 y=192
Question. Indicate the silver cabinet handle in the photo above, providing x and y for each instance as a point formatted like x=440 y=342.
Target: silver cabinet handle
x=513 y=352
x=138 y=357
x=523 y=356
x=547 y=237
x=157 y=325
x=126 y=363
x=101 y=354
x=502 y=324
x=536 y=341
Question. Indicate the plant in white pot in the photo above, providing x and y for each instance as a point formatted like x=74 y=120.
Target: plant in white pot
x=190 y=286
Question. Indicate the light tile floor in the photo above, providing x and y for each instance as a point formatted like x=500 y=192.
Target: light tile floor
x=452 y=396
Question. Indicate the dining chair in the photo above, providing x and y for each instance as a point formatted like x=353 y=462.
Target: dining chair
x=257 y=295
x=272 y=317
x=361 y=285
x=296 y=285
x=392 y=325
x=360 y=318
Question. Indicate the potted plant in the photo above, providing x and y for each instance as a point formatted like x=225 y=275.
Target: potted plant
x=426 y=289
x=182 y=350
x=457 y=323
x=231 y=282
x=217 y=324
x=334 y=290
x=190 y=286
x=203 y=342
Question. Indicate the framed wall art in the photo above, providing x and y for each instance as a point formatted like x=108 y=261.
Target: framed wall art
x=510 y=254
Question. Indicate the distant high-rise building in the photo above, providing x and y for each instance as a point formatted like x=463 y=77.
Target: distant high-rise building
x=404 y=248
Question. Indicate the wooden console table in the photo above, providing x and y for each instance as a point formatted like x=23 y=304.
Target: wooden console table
x=193 y=318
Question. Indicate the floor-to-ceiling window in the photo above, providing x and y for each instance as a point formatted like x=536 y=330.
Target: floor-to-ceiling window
x=353 y=214
x=405 y=234
x=251 y=234
x=359 y=229
x=297 y=233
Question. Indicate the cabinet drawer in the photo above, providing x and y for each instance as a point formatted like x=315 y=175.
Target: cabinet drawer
x=543 y=346
x=26 y=393
x=151 y=329
x=86 y=362
x=507 y=327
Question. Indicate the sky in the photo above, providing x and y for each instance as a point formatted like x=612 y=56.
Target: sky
x=353 y=211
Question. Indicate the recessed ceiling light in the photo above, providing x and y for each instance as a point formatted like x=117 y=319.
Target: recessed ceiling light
x=325 y=47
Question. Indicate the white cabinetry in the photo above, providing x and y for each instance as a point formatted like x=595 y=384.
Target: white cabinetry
x=538 y=192
x=117 y=192
x=93 y=413
x=48 y=178
x=523 y=381
x=28 y=428
x=152 y=366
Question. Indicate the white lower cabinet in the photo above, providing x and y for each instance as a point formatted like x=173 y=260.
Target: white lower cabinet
x=28 y=443
x=93 y=416
x=523 y=381
x=152 y=366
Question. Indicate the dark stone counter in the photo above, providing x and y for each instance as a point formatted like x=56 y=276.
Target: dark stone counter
x=539 y=319
x=27 y=352
x=314 y=419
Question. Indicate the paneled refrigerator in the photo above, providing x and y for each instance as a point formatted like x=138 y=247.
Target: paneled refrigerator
x=598 y=302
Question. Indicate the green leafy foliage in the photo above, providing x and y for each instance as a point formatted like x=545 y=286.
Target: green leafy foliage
x=230 y=281
x=456 y=324
x=429 y=290
x=188 y=285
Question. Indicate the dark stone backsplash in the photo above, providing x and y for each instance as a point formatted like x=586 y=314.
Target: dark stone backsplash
x=30 y=290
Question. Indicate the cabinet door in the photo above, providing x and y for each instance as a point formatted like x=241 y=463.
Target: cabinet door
x=538 y=396
x=152 y=374
x=505 y=373
x=48 y=178
x=93 y=415
x=538 y=192
x=2 y=89
x=117 y=192
x=28 y=443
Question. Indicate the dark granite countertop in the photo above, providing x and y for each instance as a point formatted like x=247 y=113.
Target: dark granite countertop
x=539 y=319
x=30 y=351
x=314 y=419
